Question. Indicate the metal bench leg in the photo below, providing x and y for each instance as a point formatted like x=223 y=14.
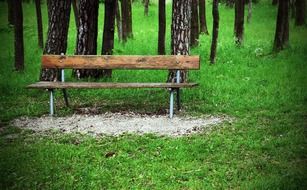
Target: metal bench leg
x=178 y=99
x=65 y=97
x=51 y=102
x=64 y=90
x=171 y=104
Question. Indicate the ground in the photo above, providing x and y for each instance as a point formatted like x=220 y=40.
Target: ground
x=265 y=92
x=114 y=124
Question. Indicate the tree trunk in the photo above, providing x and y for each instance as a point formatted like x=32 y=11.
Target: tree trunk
x=249 y=16
x=19 y=44
x=194 y=24
x=215 y=31
x=108 y=32
x=75 y=6
x=127 y=19
x=146 y=5
x=180 y=36
x=39 y=23
x=119 y=23
x=162 y=28
x=202 y=17
x=58 y=23
x=282 y=26
x=10 y=12
x=124 y=19
x=300 y=12
x=274 y=2
x=87 y=36
x=239 y=21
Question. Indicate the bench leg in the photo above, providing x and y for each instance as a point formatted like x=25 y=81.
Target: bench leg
x=171 y=104
x=65 y=97
x=51 y=102
x=178 y=99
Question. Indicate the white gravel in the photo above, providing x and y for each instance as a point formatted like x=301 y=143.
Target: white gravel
x=116 y=124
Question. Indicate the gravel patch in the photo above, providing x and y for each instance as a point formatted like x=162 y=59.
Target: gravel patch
x=115 y=124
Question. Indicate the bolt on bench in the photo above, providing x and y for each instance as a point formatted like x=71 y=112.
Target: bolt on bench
x=167 y=62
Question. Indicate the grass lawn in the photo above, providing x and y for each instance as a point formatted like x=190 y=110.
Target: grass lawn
x=266 y=93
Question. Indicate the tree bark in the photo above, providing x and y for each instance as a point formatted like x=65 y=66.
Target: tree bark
x=58 y=23
x=162 y=28
x=127 y=19
x=300 y=12
x=10 y=11
x=75 y=6
x=250 y=6
x=39 y=23
x=215 y=30
x=19 y=43
x=119 y=22
x=194 y=23
x=146 y=5
x=108 y=32
x=282 y=26
x=202 y=17
x=181 y=33
x=124 y=20
x=239 y=21
x=87 y=36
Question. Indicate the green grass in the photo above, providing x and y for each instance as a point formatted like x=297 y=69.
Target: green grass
x=264 y=148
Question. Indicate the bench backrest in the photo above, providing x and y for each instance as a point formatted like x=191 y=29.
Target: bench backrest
x=120 y=62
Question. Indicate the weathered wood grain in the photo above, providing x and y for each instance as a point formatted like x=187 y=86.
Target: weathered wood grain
x=96 y=85
x=121 y=62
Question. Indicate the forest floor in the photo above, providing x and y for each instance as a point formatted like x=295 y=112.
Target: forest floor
x=263 y=147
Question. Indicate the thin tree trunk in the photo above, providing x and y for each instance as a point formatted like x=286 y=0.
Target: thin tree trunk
x=194 y=24
x=162 y=28
x=249 y=16
x=87 y=36
x=124 y=19
x=108 y=32
x=19 y=44
x=75 y=6
x=300 y=12
x=146 y=5
x=58 y=23
x=127 y=19
x=286 y=24
x=215 y=31
x=202 y=17
x=119 y=23
x=10 y=12
x=282 y=26
x=181 y=32
x=239 y=21
x=39 y=23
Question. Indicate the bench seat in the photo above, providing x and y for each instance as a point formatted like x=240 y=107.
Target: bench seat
x=175 y=63
x=97 y=85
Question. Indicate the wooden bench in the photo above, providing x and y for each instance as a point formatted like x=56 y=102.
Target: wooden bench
x=168 y=62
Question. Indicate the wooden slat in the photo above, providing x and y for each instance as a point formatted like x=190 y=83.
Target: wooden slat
x=121 y=62
x=66 y=85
